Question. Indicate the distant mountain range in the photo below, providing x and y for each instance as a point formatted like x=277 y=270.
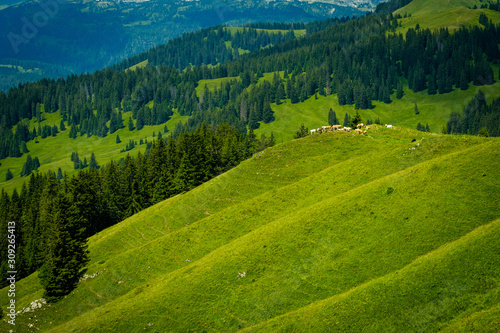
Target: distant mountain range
x=53 y=38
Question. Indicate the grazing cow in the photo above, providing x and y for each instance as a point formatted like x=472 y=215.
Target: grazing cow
x=313 y=131
x=388 y=126
x=360 y=125
x=358 y=131
x=367 y=127
x=347 y=129
x=336 y=127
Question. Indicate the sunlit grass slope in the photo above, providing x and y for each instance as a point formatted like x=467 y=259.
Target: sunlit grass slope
x=142 y=64
x=55 y=152
x=309 y=222
x=451 y=14
x=452 y=18
x=422 y=7
x=297 y=32
x=434 y=110
x=454 y=288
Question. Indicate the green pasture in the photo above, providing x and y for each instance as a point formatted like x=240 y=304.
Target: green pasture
x=430 y=7
x=55 y=152
x=322 y=227
x=297 y=32
x=433 y=110
x=142 y=64
x=452 y=19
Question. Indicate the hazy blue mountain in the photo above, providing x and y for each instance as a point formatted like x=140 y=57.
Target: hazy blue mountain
x=53 y=38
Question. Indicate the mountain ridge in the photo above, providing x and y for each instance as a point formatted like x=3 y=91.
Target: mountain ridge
x=137 y=27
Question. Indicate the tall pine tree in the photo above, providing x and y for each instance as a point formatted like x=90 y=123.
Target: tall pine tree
x=66 y=253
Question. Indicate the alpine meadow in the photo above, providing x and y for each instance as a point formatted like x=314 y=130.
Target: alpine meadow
x=336 y=175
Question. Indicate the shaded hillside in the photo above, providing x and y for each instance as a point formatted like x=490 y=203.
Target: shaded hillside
x=330 y=218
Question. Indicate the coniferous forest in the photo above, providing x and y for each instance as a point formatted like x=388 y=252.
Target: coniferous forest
x=360 y=59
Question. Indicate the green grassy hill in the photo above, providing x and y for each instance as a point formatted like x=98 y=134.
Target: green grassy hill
x=451 y=14
x=368 y=233
x=422 y=7
x=434 y=110
x=55 y=152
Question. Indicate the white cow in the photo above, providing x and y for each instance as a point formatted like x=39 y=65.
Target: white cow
x=313 y=131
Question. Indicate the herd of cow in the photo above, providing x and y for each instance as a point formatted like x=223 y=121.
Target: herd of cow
x=359 y=129
x=323 y=129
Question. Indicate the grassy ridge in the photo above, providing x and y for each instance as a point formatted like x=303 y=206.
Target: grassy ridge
x=423 y=7
x=296 y=218
x=142 y=64
x=451 y=14
x=452 y=19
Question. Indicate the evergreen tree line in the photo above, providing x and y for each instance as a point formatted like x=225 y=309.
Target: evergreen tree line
x=103 y=196
x=357 y=59
x=50 y=232
x=390 y=6
x=253 y=39
x=361 y=63
x=82 y=164
x=492 y=6
x=31 y=164
x=423 y=128
x=13 y=144
x=208 y=46
x=476 y=116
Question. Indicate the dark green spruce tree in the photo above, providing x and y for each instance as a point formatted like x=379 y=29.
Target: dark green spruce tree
x=131 y=126
x=347 y=120
x=93 y=163
x=9 y=175
x=66 y=251
x=301 y=132
x=332 y=118
x=356 y=120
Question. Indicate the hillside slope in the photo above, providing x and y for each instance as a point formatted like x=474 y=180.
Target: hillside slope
x=423 y=296
x=422 y=7
x=450 y=14
x=306 y=224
